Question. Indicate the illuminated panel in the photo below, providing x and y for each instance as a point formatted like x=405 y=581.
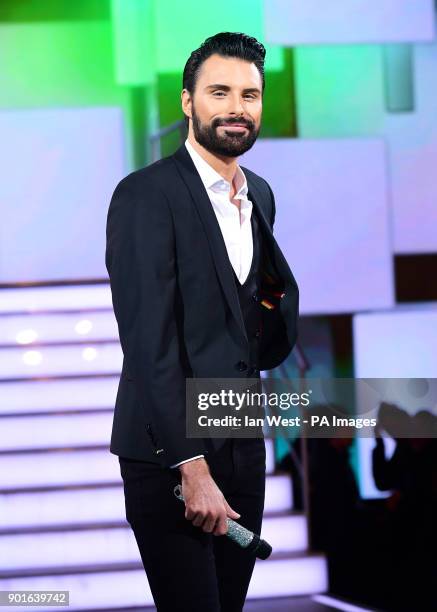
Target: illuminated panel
x=53 y=395
x=134 y=42
x=332 y=219
x=55 y=430
x=100 y=504
x=314 y=22
x=117 y=545
x=399 y=77
x=396 y=344
x=340 y=92
x=295 y=575
x=53 y=299
x=27 y=329
x=61 y=360
x=62 y=166
x=199 y=20
x=412 y=142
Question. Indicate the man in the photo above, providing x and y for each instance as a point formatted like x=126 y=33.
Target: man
x=196 y=279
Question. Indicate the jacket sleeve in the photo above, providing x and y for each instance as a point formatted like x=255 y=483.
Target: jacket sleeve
x=141 y=263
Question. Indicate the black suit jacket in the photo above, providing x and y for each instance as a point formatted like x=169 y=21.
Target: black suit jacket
x=176 y=303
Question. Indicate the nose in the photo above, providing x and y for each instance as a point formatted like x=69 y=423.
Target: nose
x=236 y=106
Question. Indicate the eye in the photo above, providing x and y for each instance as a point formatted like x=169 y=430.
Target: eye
x=218 y=93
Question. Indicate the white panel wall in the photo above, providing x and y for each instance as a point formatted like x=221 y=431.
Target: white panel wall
x=412 y=142
x=396 y=344
x=62 y=166
x=340 y=93
x=300 y=22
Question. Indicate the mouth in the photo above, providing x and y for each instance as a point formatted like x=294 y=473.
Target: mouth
x=234 y=127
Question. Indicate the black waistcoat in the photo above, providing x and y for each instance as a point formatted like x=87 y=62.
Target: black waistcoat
x=249 y=301
x=250 y=308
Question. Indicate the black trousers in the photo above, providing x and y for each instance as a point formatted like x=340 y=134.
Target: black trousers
x=188 y=569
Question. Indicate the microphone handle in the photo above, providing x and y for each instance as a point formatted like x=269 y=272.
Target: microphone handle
x=239 y=534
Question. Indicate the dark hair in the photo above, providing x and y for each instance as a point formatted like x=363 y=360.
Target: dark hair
x=226 y=44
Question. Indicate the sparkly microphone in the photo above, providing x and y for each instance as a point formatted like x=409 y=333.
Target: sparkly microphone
x=240 y=535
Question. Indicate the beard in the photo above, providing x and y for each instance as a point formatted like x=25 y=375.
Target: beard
x=228 y=144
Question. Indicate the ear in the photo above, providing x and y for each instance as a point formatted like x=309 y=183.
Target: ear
x=186 y=102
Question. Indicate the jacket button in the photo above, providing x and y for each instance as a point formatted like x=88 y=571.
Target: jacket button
x=255 y=296
x=257 y=333
x=241 y=366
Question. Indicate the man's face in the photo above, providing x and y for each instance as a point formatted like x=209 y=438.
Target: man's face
x=227 y=105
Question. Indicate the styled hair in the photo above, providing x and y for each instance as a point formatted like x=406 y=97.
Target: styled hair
x=226 y=44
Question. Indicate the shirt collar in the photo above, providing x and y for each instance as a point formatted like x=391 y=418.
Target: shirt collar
x=213 y=180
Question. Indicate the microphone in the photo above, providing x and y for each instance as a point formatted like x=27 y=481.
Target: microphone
x=240 y=535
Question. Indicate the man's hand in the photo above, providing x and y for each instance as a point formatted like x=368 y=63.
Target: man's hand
x=205 y=504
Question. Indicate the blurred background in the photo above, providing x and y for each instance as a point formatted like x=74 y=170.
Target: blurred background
x=89 y=91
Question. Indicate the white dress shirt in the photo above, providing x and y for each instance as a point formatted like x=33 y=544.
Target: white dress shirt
x=234 y=224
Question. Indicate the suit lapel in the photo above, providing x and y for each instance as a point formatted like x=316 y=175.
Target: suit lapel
x=255 y=197
x=274 y=266
x=216 y=242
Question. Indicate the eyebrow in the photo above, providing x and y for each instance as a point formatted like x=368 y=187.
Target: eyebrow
x=227 y=88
